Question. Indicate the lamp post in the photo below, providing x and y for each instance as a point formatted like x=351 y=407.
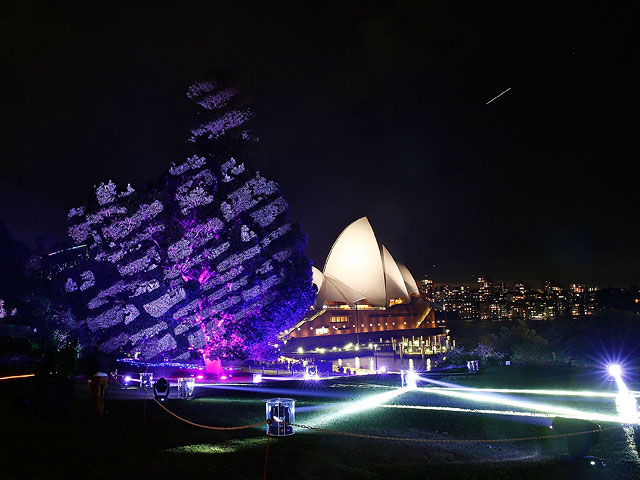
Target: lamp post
x=375 y=357
x=357 y=328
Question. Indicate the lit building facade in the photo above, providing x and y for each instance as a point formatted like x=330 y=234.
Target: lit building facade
x=363 y=290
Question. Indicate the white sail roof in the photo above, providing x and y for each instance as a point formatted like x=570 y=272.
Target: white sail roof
x=318 y=278
x=355 y=261
x=412 y=286
x=394 y=282
x=357 y=269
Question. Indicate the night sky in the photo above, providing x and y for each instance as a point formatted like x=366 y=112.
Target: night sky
x=363 y=108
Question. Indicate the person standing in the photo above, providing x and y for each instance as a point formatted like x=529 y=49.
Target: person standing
x=97 y=374
x=66 y=368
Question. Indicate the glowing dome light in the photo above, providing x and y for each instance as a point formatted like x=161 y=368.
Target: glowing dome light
x=614 y=369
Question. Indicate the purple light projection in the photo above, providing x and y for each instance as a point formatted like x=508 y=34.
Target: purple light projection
x=207 y=263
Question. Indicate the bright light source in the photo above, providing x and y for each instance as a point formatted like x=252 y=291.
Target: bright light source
x=358 y=406
x=200 y=377
x=615 y=370
x=311 y=372
x=127 y=379
x=257 y=378
x=223 y=377
x=409 y=379
x=627 y=407
x=557 y=410
x=383 y=369
x=300 y=350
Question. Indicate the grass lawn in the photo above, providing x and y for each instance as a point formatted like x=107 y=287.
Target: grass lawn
x=137 y=442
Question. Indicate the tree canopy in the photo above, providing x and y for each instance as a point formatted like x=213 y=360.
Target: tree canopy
x=204 y=261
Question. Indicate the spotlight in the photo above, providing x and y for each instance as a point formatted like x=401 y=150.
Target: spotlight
x=161 y=389
x=614 y=369
x=127 y=379
x=186 y=386
x=311 y=372
x=409 y=379
x=383 y=369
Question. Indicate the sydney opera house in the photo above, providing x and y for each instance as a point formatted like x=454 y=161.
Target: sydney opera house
x=362 y=290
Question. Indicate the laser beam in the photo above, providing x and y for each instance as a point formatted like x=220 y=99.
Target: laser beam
x=539 y=407
x=513 y=413
x=558 y=393
x=359 y=406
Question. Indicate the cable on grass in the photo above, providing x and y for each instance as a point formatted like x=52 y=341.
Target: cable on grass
x=438 y=440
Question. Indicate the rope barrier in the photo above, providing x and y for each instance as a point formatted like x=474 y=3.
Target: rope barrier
x=438 y=440
x=266 y=458
x=208 y=427
x=378 y=437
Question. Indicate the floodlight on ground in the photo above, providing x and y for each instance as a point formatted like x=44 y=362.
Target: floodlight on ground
x=280 y=416
x=186 y=386
x=614 y=369
x=161 y=389
x=146 y=380
x=311 y=372
x=409 y=379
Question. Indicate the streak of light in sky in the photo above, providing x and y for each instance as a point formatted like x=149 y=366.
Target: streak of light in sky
x=498 y=96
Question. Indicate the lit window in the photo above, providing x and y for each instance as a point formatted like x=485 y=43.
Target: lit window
x=339 y=319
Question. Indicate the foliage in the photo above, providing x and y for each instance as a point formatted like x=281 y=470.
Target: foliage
x=203 y=262
x=533 y=354
x=486 y=354
x=610 y=335
x=516 y=335
x=525 y=346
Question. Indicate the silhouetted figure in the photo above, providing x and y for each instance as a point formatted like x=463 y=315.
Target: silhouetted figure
x=45 y=380
x=97 y=374
x=66 y=368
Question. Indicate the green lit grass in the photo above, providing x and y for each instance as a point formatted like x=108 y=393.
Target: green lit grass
x=124 y=445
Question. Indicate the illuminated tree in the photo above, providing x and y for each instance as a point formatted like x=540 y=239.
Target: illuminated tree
x=205 y=261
